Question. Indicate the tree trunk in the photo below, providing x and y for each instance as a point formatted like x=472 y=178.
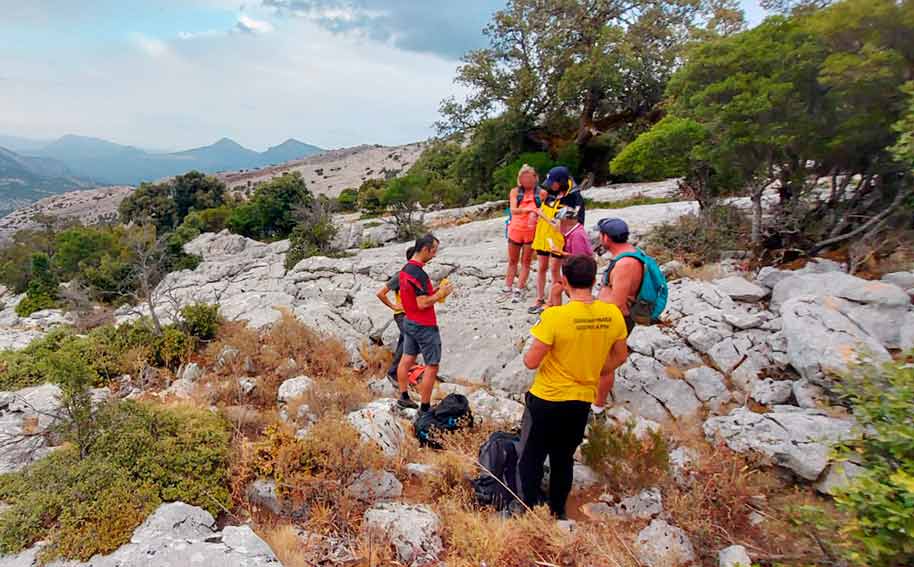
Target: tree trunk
x=756 y=199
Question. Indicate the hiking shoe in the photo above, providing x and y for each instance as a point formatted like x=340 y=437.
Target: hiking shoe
x=537 y=308
x=407 y=403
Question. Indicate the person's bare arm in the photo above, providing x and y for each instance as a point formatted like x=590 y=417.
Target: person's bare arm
x=535 y=355
x=614 y=360
x=624 y=281
x=382 y=295
x=512 y=202
x=426 y=301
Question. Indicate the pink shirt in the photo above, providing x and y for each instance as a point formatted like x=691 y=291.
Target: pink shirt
x=577 y=243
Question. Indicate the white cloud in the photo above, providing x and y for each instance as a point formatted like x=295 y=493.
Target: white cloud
x=150 y=45
x=300 y=81
x=250 y=25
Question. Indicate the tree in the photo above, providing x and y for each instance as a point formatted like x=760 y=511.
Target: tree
x=269 y=213
x=402 y=198
x=313 y=235
x=578 y=66
x=662 y=152
x=166 y=204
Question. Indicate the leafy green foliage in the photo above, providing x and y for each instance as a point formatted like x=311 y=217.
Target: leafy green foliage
x=699 y=239
x=880 y=500
x=42 y=289
x=269 y=213
x=141 y=455
x=201 y=320
x=313 y=236
x=165 y=205
x=348 y=200
x=505 y=178
x=626 y=460
x=661 y=152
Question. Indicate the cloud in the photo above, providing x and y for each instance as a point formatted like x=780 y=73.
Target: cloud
x=247 y=24
x=150 y=45
x=442 y=27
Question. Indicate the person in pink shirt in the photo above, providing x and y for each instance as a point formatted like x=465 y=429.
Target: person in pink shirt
x=577 y=243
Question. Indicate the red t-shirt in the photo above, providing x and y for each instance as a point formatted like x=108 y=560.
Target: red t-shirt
x=413 y=283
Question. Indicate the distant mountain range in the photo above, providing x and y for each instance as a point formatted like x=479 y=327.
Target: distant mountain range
x=24 y=180
x=107 y=163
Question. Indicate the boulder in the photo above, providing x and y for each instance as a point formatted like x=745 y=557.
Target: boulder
x=412 y=530
x=378 y=423
x=421 y=470
x=643 y=387
x=645 y=505
x=772 y=392
x=663 y=545
x=375 y=485
x=742 y=321
x=838 y=476
x=262 y=493
x=733 y=556
x=584 y=477
x=24 y=416
x=822 y=340
x=382 y=387
x=840 y=285
x=16 y=339
x=514 y=378
x=741 y=289
x=795 y=438
x=176 y=535
x=190 y=372
x=293 y=388
x=641 y=427
x=181 y=389
x=485 y=406
x=692 y=297
x=648 y=339
x=807 y=394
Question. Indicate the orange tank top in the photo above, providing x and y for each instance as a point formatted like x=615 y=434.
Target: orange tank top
x=525 y=221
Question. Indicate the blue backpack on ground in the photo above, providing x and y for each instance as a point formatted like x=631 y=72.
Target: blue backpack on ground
x=651 y=299
x=520 y=199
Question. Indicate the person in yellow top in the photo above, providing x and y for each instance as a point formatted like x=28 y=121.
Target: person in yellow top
x=576 y=350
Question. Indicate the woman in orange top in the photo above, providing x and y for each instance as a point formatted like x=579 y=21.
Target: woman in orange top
x=524 y=201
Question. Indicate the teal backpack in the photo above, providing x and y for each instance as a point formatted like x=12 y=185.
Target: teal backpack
x=652 y=296
x=520 y=199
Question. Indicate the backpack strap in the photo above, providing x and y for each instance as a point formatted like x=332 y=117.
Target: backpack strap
x=520 y=194
x=638 y=254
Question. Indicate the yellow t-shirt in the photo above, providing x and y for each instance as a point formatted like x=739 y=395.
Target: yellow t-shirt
x=546 y=232
x=581 y=336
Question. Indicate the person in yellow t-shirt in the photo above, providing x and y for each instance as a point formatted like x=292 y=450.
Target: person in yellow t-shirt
x=576 y=350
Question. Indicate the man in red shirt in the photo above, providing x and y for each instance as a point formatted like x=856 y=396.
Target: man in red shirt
x=420 y=328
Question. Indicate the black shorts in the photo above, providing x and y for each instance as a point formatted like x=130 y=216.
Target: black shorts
x=629 y=323
x=422 y=339
x=545 y=253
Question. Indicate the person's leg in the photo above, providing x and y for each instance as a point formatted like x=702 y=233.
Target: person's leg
x=533 y=450
x=555 y=295
x=398 y=353
x=430 y=344
x=427 y=385
x=542 y=265
x=526 y=260
x=513 y=255
x=410 y=352
x=567 y=434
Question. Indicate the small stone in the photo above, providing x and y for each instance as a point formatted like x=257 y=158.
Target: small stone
x=181 y=389
x=734 y=556
x=584 y=477
x=772 y=392
x=741 y=289
x=191 y=372
x=375 y=485
x=227 y=356
x=807 y=394
x=743 y=321
x=838 y=476
x=247 y=385
x=262 y=493
x=421 y=470
x=672 y=269
x=663 y=545
x=642 y=506
x=293 y=388
x=411 y=529
x=383 y=388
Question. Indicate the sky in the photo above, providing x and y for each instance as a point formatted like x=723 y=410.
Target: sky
x=175 y=74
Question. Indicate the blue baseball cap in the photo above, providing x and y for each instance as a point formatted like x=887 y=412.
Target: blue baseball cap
x=558 y=174
x=612 y=227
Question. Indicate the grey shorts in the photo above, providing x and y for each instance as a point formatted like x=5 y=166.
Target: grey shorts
x=422 y=339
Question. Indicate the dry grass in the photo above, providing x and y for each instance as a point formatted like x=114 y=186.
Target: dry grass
x=377 y=359
x=286 y=542
x=341 y=394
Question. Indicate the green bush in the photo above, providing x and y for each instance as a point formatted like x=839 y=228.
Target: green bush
x=201 y=320
x=699 y=239
x=348 y=200
x=661 y=152
x=269 y=213
x=880 y=501
x=42 y=290
x=141 y=455
x=628 y=462
x=313 y=236
x=20 y=369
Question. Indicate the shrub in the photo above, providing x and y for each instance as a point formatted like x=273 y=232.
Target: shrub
x=348 y=200
x=661 y=152
x=269 y=213
x=20 y=369
x=880 y=501
x=141 y=455
x=201 y=320
x=313 y=236
x=699 y=239
x=42 y=289
x=627 y=461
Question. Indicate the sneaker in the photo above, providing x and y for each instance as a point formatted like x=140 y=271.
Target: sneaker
x=407 y=403
x=517 y=296
x=537 y=307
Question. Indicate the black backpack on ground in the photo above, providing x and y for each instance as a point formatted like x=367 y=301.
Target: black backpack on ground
x=451 y=414
x=499 y=455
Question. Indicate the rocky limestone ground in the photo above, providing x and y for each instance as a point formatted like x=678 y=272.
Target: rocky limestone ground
x=747 y=356
x=89 y=206
x=330 y=172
